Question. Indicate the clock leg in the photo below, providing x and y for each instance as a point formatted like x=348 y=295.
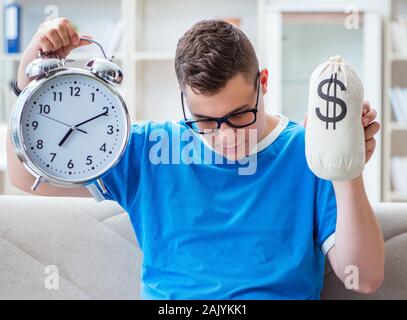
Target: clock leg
x=36 y=183
x=101 y=185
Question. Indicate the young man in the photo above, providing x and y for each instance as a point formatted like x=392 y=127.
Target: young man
x=207 y=229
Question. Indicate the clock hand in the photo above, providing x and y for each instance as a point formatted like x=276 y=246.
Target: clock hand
x=60 y=122
x=66 y=136
x=93 y=118
x=79 y=124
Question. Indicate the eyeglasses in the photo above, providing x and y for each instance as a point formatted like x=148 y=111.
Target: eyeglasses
x=237 y=120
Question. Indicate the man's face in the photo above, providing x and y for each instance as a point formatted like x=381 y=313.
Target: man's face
x=237 y=95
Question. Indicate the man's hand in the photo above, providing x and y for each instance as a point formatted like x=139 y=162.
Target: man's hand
x=371 y=128
x=57 y=36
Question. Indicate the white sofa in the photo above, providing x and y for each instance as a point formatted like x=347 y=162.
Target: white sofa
x=97 y=256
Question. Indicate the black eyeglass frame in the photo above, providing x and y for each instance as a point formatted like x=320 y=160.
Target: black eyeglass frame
x=224 y=119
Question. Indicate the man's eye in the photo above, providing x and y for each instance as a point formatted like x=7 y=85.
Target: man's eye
x=238 y=116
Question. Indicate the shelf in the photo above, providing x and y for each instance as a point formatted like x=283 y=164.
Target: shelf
x=161 y=22
x=76 y=56
x=398 y=57
x=89 y=55
x=10 y=56
x=153 y=56
x=394 y=131
x=397 y=196
x=395 y=126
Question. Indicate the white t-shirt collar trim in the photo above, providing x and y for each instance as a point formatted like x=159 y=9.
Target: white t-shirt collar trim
x=272 y=136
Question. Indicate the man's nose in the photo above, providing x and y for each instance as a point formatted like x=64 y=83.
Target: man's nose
x=223 y=126
x=225 y=131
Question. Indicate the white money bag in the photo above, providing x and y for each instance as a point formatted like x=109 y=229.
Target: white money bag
x=334 y=134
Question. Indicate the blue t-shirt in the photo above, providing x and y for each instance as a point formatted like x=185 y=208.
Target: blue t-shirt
x=208 y=232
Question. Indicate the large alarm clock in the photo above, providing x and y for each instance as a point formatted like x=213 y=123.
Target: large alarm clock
x=70 y=125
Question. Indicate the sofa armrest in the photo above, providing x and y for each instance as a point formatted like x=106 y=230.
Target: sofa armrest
x=393 y=222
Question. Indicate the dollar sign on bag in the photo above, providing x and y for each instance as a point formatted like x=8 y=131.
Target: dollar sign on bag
x=334 y=118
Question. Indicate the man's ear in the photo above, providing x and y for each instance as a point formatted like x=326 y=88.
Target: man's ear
x=264 y=76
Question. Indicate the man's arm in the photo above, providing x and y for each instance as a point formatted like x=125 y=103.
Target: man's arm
x=358 y=238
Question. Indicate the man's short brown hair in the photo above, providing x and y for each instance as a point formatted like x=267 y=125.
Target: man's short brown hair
x=211 y=53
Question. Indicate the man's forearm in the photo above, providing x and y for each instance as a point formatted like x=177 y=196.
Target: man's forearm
x=358 y=239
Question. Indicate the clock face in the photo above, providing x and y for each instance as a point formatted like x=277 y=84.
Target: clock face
x=74 y=127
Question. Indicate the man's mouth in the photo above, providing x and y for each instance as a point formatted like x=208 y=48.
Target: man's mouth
x=231 y=148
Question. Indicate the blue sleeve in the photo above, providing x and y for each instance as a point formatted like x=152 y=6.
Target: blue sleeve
x=122 y=180
x=324 y=214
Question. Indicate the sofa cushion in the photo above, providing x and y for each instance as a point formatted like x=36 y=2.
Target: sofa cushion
x=92 y=244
